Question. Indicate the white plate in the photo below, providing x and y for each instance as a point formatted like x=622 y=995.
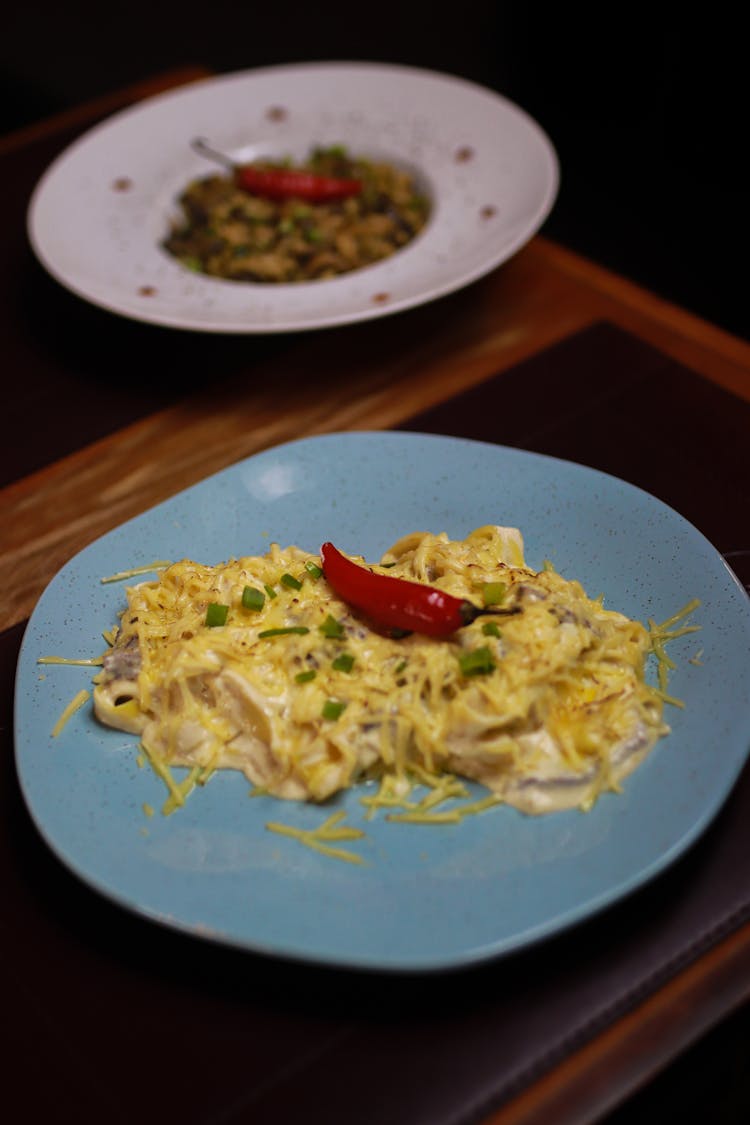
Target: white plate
x=99 y=213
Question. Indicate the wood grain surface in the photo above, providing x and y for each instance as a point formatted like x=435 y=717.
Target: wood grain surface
x=367 y=376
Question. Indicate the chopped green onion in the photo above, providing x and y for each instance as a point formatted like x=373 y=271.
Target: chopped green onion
x=313 y=569
x=493 y=592
x=299 y=629
x=313 y=234
x=344 y=662
x=331 y=627
x=305 y=677
x=290 y=581
x=216 y=614
x=400 y=667
x=252 y=598
x=332 y=709
x=270 y=590
x=333 y=150
x=477 y=662
x=491 y=629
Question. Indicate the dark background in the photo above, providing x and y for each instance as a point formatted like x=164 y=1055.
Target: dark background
x=647 y=112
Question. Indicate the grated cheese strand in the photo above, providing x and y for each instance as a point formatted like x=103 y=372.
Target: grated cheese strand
x=660 y=635
x=316 y=838
x=134 y=571
x=76 y=703
x=416 y=817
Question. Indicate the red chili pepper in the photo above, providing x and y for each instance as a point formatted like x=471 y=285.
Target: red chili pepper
x=396 y=602
x=284 y=183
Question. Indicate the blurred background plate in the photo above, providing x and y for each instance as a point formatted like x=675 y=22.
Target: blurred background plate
x=99 y=213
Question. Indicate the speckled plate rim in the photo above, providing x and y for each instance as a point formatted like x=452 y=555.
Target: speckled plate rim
x=448 y=899
x=98 y=213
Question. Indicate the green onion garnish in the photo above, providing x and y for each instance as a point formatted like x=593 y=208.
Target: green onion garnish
x=290 y=581
x=270 y=590
x=344 y=662
x=252 y=598
x=305 y=677
x=331 y=627
x=477 y=662
x=493 y=592
x=299 y=629
x=313 y=569
x=332 y=709
x=216 y=614
x=333 y=150
x=400 y=667
x=491 y=629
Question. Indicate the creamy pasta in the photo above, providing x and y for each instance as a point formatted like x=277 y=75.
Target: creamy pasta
x=257 y=665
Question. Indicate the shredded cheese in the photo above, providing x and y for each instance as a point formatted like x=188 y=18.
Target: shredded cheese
x=134 y=571
x=305 y=698
x=76 y=703
x=318 y=838
x=660 y=636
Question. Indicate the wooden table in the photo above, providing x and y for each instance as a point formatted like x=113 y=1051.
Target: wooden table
x=235 y=397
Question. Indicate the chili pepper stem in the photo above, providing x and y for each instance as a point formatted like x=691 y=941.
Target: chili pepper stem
x=470 y=612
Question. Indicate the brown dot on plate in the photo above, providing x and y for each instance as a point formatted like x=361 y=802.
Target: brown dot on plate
x=277 y=113
x=464 y=153
x=488 y=212
x=147 y=291
x=381 y=298
x=122 y=183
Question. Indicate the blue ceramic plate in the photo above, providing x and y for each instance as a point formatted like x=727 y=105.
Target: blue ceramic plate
x=427 y=897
